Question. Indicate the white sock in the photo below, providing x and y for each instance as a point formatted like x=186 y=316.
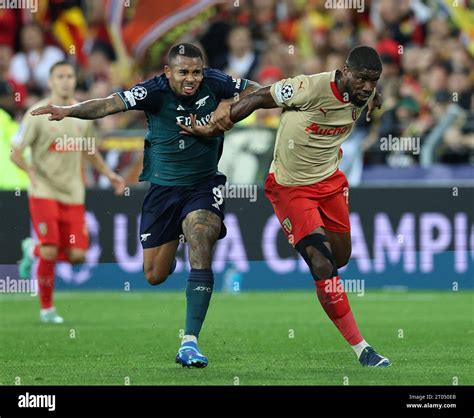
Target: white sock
x=31 y=251
x=188 y=338
x=358 y=348
x=47 y=310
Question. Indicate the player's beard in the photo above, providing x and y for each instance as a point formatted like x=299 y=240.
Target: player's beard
x=356 y=101
x=353 y=97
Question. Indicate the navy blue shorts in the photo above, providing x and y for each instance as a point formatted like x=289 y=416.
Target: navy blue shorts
x=165 y=207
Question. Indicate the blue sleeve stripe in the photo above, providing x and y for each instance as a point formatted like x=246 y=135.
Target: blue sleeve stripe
x=152 y=85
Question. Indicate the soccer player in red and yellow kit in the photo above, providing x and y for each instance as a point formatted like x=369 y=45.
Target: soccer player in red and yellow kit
x=56 y=191
x=308 y=192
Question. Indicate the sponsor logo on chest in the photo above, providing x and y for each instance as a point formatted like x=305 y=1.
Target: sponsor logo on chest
x=322 y=130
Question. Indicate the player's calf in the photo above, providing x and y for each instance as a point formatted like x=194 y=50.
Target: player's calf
x=157 y=274
x=201 y=229
x=333 y=298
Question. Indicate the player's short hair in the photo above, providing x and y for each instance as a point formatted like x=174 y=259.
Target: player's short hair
x=364 y=57
x=61 y=63
x=185 y=50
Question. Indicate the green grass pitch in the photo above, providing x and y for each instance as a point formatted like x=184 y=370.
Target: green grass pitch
x=255 y=338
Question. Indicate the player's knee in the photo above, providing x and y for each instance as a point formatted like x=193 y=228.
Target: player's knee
x=342 y=258
x=77 y=257
x=318 y=256
x=322 y=267
x=48 y=253
x=155 y=277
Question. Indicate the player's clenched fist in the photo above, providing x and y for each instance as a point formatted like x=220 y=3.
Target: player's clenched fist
x=56 y=112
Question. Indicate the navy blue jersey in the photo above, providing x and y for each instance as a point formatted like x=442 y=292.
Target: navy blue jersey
x=170 y=158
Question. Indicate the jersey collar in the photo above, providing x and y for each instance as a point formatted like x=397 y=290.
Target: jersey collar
x=334 y=89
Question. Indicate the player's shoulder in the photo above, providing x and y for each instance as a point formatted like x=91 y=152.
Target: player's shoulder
x=158 y=83
x=219 y=81
x=319 y=81
x=28 y=117
x=43 y=102
x=213 y=74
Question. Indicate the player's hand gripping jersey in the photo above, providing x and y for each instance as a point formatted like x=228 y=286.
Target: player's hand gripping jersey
x=173 y=159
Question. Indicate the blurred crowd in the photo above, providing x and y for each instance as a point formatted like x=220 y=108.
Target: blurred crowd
x=427 y=81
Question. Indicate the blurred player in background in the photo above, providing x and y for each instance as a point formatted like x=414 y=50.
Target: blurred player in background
x=184 y=197
x=308 y=192
x=57 y=191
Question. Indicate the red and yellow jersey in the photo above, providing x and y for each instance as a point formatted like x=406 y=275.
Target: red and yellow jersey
x=315 y=121
x=56 y=151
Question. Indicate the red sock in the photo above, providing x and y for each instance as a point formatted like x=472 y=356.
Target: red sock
x=333 y=299
x=46 y=282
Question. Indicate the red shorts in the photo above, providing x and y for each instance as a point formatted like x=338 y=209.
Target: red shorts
x=302 y=209
x=59 y=224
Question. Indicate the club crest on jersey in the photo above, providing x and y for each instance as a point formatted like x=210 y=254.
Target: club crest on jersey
x=201 y=102
x=139 y=92
x=287 y=226
x=43 y=228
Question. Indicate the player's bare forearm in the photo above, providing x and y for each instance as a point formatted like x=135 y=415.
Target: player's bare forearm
x=232 y=110
x=259 y=99
x=17 y=158
x=90 y=109
x=98 y=163
x=117 y=182
x=97 y=108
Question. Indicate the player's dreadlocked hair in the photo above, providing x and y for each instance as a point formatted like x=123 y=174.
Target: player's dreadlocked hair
x=184 y=49
x=364 y=57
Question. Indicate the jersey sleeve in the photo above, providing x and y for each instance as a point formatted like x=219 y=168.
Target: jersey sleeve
x=293 y=92
x=27 y=132
x=146 y=96
x=223 y=85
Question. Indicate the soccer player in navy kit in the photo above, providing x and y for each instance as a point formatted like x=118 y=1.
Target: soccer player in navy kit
x=184 y=195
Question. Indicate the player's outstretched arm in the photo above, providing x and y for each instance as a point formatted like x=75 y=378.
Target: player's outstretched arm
x=259 y=99
x=230 y=112
x=90 y=109
x=376 y=103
